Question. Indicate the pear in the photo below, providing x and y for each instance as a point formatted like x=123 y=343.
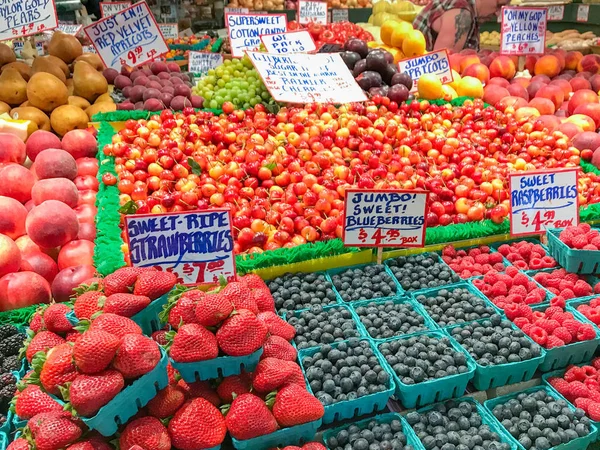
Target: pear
x=13 y=88
x=46 y=92
x=88 y=82
x=49 y=64
x=65 y=47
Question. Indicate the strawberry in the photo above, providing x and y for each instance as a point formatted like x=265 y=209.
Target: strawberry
x=147 y=432
x=94 y=350
x=193 y=343
x=90 y=444
x=278 y=347
x=200 y=389
x=212 y=309
x=88 y=304
x=32 y=401
x=183 y=310
x=249 y=417
x=37 y=323
x=160 y=337
x=136 y=356
x=198 y=424
x=313 y=446
x=270 y=374
x=121 y=280
x=276 y=325
x=115 y=324
x=55 y=318
x=241 y=334
x=294 y=405
x=154 y=284
x=56 y=367
x=89 y=393
x=240 y=296
x=166 y=402
x=234 y=385
x=127 y=305
x=252 y=281
x=19 y=444
x=42 y=342
x=53 y=433
x=263 y=299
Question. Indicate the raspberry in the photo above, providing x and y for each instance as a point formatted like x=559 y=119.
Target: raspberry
x=536 y=263
x=596 y=241
x=583 y=403
x=521 y=279
x=519 y=290
x=521 y=265
x=521 y=322
x=577 y=389
x=558 y=301
x=596 y=363
x=574 y=373
x=548 y=261
x=572 y=277
x=527 y=329
x=594 y=316
x=490 y=278
x=504 y=249
x=582 y=289
x=594 y=395
x=563 y=334
x=482 y=259
x=537 y=315
x=593 y=411
x=495 y=258
x=553 y=341
x=567 y=294
x=559 y=384
x=449 y=250
x=572 y=326
x=595 y=302
x=586 y=332
x=548 y=324
x=597 y=288
x=584 y=227
x=593 y=385
x=512 y=271
x=539 y=335
x=590 y=371
x=578 y=242
x=499 y=288
x=552 y=311
x=513 y=298
x=512 y=311
x=590 y=247
x=591 y=235
x=525 y=311
x=479 y=283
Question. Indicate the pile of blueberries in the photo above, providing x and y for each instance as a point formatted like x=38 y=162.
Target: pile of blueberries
x=296 y=291
x=386 y=319
x=364 y=283
x=369 y=436
x=421 y=271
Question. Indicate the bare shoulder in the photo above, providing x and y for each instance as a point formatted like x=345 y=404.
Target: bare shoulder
x=456 y=18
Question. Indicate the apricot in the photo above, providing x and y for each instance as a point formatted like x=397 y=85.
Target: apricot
x=455 y=60
x=16 y=182
x=41 y=140
x=55 y=164
x=572 y=60
x=503 y=66
x=479 y=71
x=12 y=217
x=468 y=60
x=60 y=189
x=52 y=224
x=547 y=65
x=582 y=96
x=470 y=87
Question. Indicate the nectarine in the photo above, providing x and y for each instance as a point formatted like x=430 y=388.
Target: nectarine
x=41 y=264
x=41 y=140
x=55 y=164
x=76 y=253
x=52 y=224
x=16 y=182
x=12 y=217
x=10 y=256
x=61 y=189
x=21 y=289
x=80 y=144
x=12 y=149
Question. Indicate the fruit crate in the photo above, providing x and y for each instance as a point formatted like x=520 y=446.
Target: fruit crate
x=505 y=261
x=280 y=438
x=576 y=444
x=416 y=306
x=411 y=438
x=222 y=366
x=575 y=261
x=575 y=353
x=486 y=418
x=352 y=408
x=487 y=377
x=573 y=304
x=439 y=259
x=399 y=291
x=426 y=392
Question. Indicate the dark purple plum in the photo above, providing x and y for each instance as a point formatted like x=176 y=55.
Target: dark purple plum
x=402 y=78
x=381 y=90
x=398 y=93
x=359 y=67
x=369 y=79
x=357 y=45
x=350 y=58
x=376 y=61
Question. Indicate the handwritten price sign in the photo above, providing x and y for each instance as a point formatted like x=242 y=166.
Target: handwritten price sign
x=108 y=9
x=437 y=63
x=541 y=200
x=311 y=11
x=378 y=218
x=523 y=31
x=197 y=246
x=23 y=18
x=292 y=42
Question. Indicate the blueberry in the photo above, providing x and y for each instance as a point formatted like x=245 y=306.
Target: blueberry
x=297 y=291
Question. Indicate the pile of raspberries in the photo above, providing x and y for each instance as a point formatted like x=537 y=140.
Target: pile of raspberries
x=581 y=237
x=581 y=386
x=473 y=262
x=510 y=287
x=526 y=255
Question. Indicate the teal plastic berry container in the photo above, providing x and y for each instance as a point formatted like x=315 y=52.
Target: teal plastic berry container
x=223 y=366
x=280 y=438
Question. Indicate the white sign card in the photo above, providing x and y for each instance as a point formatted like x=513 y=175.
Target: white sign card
x=583 y=13
x=303 y=78
x=89 y=49
x=543 y=199
x=312 y=11
x=237 y=10
x=18 y=46
x=108 y=9
x=523 y=31
x=299 y=41
x=169 y=30
x=72 y=29
x=245 y=30
x=201 y=62
x=437 y=63
x=197 y=246
x=20 y=18
x=556 y=12
x=339 y=15
x=129 y=37
x=385 y=218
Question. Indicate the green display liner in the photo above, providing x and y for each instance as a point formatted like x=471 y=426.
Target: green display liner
x=122 y=116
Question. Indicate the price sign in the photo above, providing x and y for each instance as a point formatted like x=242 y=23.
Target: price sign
x=292 y=42
x=311 y=11
x=437 y=63
x=237 y=10
x=23 y=18
x=523 y=31
x=197 y=246
x=108 y=9
x=583 y=13
x=201 y=63
x=556 y=12
x=129 y=37
x=169 y=30
x=339 y=15
x=245 y=30
x=67 y=28
x=303 y=78
x=382 y=218
x=543 y=199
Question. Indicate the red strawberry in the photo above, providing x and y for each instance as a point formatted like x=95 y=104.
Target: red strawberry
x=154 y=284
x=136 y=356
x=32 y=400
x=276 y=325
x=121 y=280
x=115 y=324
x=53 y=433
x=313 y=446
x=89 y=393
x=183 y=310
x=87 y=304
x=19 y=444
x=198 y=424
x=147 y=432
x=234 y=384
x=212 y=309
x=249 y=417
x=294 y=405
x=56 y=367
x=160 y=337
x=37 y=323
x=127 y=305
x=200 y=389
x=166 y=402
x=90 y=444
x=241 y=334
x=55 y=318
x=94 y=350
x=278 y=347
x=253 y=281
x=270 y=374
x=240 y=296
x=263 y=299
x=42 y=342
x=193 y=343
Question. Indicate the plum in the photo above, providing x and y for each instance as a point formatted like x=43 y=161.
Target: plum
x=153 y=104
x=166 y=99
x=197 y=101
x=182 y=90
x=110 y=75
x=122 y=82
x=357 y=45
x=136 y=94
x=151 y=93
x=180 y=102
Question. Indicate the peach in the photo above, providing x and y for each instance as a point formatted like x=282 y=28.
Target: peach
x=564 y=85
x=511 y=102
x=479 y=71
x=540 y=79
x=583 y=122
x=581 y=97
x=76 y=253
x=592 y=110
x=87 y=197
x=12 y=149
x=561 y=56
x=486 y=60
x=86 y=213
x=572 y=60
x=547 y=65
x=86 y=182
x=589 y=63
x=16 y=182
x=80 y=144
x=41 y=264
x=518 y=91
x=550 y=122
x=526 y=112
x=21 y=289
x=521 y=81
x=533 y=88
x=468 y=51
x=543 y=105
x=10 y=256
x=503 y=66
x=569 y=129
x=492 y=94
x=12 y=217
x=596 y=158
x=499 y=81
x=595 y=82
x=68 y=279
x=553 y=93
x=52 y=224
x=586 y=75
x=87 y=166
x=55 y=164
x=455 y=60
x=468 y=60
x=26 y=245
x=60 y=189
x=87 y=231
x=530 y=61
x=41 y=140
x=579 y=83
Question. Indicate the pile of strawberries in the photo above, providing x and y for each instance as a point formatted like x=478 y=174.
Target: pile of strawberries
x=510 y=287
x=581 y=386
x=550 y=328
x=581 y=237
x=564 y=285
x=525 y=255
x=473 y=262
x=592 y=310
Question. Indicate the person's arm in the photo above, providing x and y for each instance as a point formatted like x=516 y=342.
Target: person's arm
x=455 y=25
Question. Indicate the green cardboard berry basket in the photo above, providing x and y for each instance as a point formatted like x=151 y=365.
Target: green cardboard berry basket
x=575 y=261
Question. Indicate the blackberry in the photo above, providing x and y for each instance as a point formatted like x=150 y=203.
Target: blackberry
x=364 y=283
x=7 y=330
x=370 y=435
x=296 y=291
x=388 y=319
x=421 y=271
x=12 y=344
x=11 y=363
x=6 y=379
x=8 y=392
